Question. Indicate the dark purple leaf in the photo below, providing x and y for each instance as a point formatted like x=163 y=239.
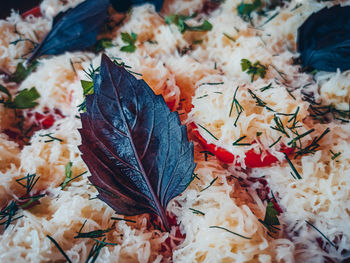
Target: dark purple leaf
x=136 y=149
x=75 y=29
x=124 y=5
x=324 y=39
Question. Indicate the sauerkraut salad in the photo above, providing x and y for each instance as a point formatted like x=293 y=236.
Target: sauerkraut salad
x=272 y=182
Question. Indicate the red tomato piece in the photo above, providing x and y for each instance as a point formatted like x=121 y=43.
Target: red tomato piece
x=252 y=159
x=36 y=12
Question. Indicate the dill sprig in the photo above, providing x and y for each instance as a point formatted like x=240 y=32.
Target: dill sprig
x=30 y=181
x=210 y=184
x=212 y=135
x=323 y=235
x=275 y=142
x=266 y=87
x=68 y=175
x=313 y=146
x=220 y=227
x=296 y=139
x=237 y=105
x=197 y=212
x=96 y=249
x=335 y=155
x=237 y=142
x=206 y=154
x=259 y=102
x=7 y=215
x=92 y=234
x=59 y=248
x=295 y=173
x=51 y=138
x=321 y=112
x=279 y=126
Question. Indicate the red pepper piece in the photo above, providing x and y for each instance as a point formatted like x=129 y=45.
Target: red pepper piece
x=252 y=159
x=36 y=12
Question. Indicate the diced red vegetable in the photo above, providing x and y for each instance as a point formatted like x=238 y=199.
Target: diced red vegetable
x=252 y=159
x=36 y=12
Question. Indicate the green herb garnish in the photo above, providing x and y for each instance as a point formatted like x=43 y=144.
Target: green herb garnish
x=330 y=242
x=68 y=175
x=179 y=21
x=296 y=174
x=197 y=212
x=259 y=102
x=220 y=227
x=245 y=10
x=313 y=146
x=229 y=37
x=7 y=215
x=22 y=73
x=256 y=69
x=130 y=40
x=102 y=44
x=210 y=184
x=30 y=181
x=271 y=220
x=212 y=135
x=237 y=142
x=51 y=138
x=238 y=107
x=25 y=99
x=335 y=155
x=59 y=248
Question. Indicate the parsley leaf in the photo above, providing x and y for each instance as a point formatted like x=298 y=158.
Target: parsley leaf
x=25 y=99
x=256 y=69
x=129 y=39
x=22 y=73
x=245 y=10
x=179 y=21
x=271 y=219
x=102 y=44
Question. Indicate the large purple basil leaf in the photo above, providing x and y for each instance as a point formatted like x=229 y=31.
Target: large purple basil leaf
x=125 y=5
x=75 y=29
x=136 y=149
x=324 y=40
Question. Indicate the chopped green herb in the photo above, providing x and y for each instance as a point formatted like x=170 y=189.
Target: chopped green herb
x=220 y=227
x=259 y=102
x=31 y=200
x=269 y=19
x=256 y=69
x=179 y=21
x=245 y=10
x=212 y=135
x=335 y=155
x=7 y=215
x=279 y=126
x=51 y=138
x=211 y=83
x=258 y=134
x=229 y=37
x=201 y=97
x=296 y=173
x=130 y=40
x=279 y=138
x=266 y=87
x=22 y=73
x=313 y=146
x=68 y=174
x=88 y=87
x=195 y=211
x=206 y=153
x=321 y=113
x=330 y=242
x=271 y=220
x=92 y=234
x=59 y=248
x=210 y=184
x=25 y=99
x=238 y=107
x=237 y=142
x=102 y=44
x=30 y=181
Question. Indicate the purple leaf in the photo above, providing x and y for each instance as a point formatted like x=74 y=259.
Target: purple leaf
x=75 y=29
x=136 y=149
x=324 y=39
